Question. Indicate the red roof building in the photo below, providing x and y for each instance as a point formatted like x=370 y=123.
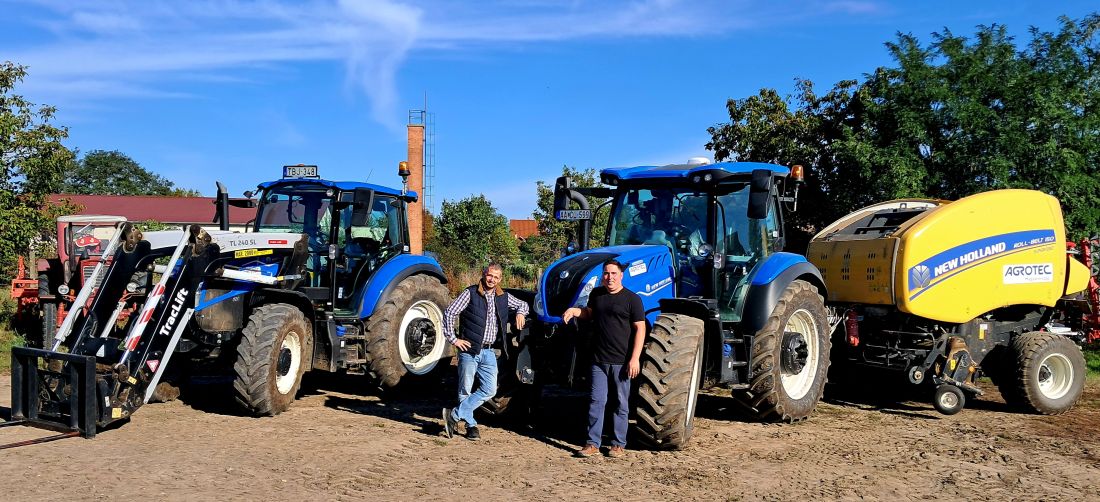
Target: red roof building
x=170 y=210
x=522 y=229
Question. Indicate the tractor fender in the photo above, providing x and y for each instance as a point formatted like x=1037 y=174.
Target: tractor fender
x=295 y=298
x=771 y=279
x=397 y=269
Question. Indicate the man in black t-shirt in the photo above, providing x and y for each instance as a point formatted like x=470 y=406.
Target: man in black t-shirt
x=619 y=321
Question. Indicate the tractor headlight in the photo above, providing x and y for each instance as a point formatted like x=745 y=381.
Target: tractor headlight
x=582 y=299
x=538 y=307
x=131 y=287
x=63 y=290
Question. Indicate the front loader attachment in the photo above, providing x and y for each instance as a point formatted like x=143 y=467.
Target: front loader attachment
x=101 y=369
x=53 y=390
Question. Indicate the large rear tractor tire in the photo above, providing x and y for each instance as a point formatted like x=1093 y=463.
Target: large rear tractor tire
x=273 y=354
x=668 y=388
x=1048 y=374
x=405 y=334
x=790 y=358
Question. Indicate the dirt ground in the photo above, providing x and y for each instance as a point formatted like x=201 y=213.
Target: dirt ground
x=340 y=442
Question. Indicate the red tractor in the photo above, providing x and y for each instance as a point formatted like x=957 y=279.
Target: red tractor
x=44 y=299
x=1088 y=251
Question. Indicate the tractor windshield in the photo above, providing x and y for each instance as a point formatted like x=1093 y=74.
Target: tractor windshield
x=87 y=240
x=296 y=209
x=673 y=217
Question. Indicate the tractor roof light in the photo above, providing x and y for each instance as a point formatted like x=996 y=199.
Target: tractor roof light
x=403 y=170
x=797 y=173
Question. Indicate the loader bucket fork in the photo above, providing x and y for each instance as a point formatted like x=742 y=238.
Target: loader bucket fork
x=107 y=374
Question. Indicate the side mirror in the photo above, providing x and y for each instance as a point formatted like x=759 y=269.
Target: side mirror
x=360 y=216
x=760 y=193
x=561 y=193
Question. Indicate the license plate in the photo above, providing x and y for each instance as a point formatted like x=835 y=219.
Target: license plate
x=299 y=171
x=575 y=214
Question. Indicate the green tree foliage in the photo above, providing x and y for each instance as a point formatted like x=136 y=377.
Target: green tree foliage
x=954 y=117
x=471 y=233
x=102 y=172
x=33 y=160
x=554 y=235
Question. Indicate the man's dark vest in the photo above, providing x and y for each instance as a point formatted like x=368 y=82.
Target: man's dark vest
x=472 y=321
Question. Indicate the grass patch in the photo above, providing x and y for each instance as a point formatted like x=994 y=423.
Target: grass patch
x=1092 y=361
x=8 y=339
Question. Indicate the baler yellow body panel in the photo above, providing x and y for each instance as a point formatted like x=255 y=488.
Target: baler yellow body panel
x=954 y=261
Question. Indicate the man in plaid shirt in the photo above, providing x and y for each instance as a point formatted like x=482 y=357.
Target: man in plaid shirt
x=482 y=312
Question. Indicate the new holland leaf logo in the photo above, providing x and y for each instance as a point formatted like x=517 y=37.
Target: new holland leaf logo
x=920 y=276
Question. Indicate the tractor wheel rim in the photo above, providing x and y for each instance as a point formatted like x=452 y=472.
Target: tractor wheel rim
x=948 y=400
x=798 y=384
x=421 y=337
x=693 y=390
x=289 y=362
x=1055 y=376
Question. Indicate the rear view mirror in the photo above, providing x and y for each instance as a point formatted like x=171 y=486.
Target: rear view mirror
x=760 y=191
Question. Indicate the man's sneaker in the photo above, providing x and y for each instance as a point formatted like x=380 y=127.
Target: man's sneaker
x=449 y=422
x=472 y=433
x=588 y=451
x=616 y=452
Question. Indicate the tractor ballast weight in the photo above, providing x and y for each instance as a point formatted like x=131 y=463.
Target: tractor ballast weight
x=702 y=246
x=944 y=291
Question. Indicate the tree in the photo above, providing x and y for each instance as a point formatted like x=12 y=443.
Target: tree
x=471 y=233
x=554 y=235
x=32 y=159
x=102 y=172
x=952 y=118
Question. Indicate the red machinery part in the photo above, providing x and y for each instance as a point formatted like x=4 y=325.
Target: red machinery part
x=1092 y=319
x=851 y=325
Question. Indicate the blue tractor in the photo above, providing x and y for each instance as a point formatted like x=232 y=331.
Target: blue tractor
x=702 y=245
x=322 y=281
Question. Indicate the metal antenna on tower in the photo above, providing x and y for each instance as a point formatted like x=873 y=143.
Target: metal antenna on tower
x=427 y=119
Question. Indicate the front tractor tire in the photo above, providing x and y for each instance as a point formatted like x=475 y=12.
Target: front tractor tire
x=405 y=334
x=668 y=388
x=1048 y=374
x=272 y=356
x=790 y=358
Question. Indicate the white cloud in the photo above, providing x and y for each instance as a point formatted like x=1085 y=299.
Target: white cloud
x=136 y=48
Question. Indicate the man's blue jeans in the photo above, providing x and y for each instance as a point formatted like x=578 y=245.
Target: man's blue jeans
x=484 y=366
x=609 y=380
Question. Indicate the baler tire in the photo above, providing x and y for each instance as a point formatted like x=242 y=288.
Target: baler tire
x=668 y=388
x=767 y=397
x=948 y=399
x=1049 y=374
x=272 y=329
x=415 y=298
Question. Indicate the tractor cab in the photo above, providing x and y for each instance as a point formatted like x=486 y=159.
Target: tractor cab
x=718 y=221
x=352 y=228
x=81 y=239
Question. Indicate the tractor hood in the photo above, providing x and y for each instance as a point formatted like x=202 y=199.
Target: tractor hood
x=568 y=281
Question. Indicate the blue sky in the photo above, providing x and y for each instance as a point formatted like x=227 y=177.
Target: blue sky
x=231 y=90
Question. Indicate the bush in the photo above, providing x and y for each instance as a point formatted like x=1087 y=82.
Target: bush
x=1092 y=361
